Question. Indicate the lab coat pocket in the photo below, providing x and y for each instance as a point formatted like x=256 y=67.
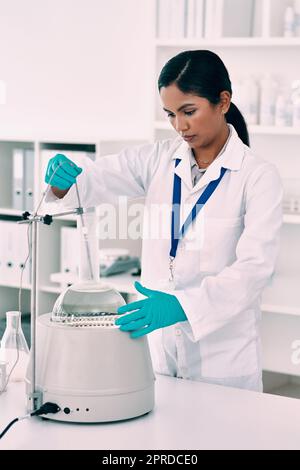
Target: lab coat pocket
x=220 y=238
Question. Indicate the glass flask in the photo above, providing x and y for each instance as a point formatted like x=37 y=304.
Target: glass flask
x=88 y=303
x=14 y=348
x=3 y=378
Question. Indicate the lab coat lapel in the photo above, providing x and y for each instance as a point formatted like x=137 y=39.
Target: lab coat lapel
x=211 y=174
x=183 y=169
x=231 y=159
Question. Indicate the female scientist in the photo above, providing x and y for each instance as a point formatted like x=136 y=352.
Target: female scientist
x=224 y=218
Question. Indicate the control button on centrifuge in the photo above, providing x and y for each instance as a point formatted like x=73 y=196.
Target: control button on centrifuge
x=67 y=411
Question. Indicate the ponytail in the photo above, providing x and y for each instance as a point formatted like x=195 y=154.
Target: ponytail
x=235 y=117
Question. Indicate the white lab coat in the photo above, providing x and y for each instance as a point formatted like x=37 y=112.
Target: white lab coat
x=221 y=268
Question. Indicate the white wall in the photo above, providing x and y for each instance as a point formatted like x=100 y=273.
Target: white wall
x=77 y=68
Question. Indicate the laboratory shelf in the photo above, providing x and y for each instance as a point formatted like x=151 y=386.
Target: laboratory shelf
x=43 y=138
x=8 y=211
x=291 y=219
x=229 y=42
x=63 y=278
x=17 y=138
x=15 y=285
x=275 y=130
x=282 y=296
x=50 y=289
x=281 y=309
x=291 y=390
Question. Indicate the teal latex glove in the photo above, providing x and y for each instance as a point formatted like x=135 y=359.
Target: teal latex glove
x=157 y=311
x=61 y=172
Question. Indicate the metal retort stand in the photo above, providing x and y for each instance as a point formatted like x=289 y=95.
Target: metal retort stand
x=35 y=396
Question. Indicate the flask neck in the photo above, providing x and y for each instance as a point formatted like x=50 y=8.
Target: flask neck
x=13 y=320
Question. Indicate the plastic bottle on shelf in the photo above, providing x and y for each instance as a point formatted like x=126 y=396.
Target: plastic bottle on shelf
x=289 y=110
x=280 y=118
x=297 y=17
x=14 y=346
x=284 y=109
x=296 y=112
x=238 y=93
x=296 y=103
x=289 y=22
x=268 y=95
x=291 y=196
x=251 y=93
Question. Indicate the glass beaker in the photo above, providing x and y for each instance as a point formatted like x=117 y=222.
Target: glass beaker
x=14 y=349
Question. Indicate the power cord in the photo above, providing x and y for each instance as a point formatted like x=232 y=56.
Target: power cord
x=45 y=409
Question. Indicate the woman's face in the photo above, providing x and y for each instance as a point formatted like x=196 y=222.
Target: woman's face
x=195 y=118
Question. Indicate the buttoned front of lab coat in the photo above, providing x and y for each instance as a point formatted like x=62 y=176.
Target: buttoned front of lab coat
x=223 y=262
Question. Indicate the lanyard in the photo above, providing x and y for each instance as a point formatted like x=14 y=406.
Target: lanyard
x=176 y=232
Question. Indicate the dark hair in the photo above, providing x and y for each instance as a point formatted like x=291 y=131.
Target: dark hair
x=203 y=73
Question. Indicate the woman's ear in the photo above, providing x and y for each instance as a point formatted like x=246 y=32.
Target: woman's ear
x=225 y=100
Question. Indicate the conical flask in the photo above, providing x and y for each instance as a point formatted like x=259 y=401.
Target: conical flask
x=14 y=347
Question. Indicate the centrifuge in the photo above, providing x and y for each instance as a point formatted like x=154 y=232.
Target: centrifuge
x=86 y=365
x=81 y=361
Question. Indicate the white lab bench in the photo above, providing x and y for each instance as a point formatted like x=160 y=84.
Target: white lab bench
x=187 y=415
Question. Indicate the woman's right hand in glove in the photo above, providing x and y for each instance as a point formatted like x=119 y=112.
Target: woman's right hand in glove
x=61 y=173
